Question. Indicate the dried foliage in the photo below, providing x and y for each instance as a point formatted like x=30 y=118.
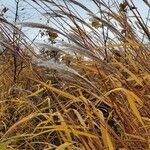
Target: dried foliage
x=87 y=91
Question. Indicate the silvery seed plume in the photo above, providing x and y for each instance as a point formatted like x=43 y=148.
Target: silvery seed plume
x=62 y=68
x=53 y=14
x=16 y=29
x=65 y=77
x=2 y=37
x=75 y=37
x=80 y=50
x=8 y=47
x=13 y=26
x=80 y=5
x=90 y=55
x=38 y=25
x=4 y=44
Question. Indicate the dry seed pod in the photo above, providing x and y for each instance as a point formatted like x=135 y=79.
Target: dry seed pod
x=122 y=7
x=123 y=31
x=117 y=53
x=79 y=31
x=96 y=23
x=49 y=54
x=67 y=59
x=52 y=35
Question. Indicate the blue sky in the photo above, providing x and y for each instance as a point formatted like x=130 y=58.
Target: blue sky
x=29 y=14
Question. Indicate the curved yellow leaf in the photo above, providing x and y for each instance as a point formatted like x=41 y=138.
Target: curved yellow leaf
x=63 y=146
x=105 y=135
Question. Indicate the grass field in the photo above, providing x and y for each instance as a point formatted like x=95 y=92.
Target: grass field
x=86 y=88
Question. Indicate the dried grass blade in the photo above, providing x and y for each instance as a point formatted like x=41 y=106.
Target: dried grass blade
x=105 y=135
x=19 y=123
x=64 y=146
x=67 y=129
x=132 y=98
x=36 y=93
x=65 y=94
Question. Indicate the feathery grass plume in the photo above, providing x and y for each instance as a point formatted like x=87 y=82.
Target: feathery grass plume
x=52 y=48
x=4 y=21
x=64 y=69
x=54 y=14
x=80 y=50
x=38 y=25
x=6 y=45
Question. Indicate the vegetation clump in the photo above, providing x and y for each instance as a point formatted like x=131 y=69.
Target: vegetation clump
x=85 y=86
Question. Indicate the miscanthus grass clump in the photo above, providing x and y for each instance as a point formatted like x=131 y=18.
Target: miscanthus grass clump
x=86 y=87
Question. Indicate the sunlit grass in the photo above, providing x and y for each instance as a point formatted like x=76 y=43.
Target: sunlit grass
x=91 y=91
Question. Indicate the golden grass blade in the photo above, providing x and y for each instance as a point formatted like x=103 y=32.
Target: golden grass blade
x=19 y=123
x=136 y=137
x=133 y=76
x=122 y=44
x=64 y=146
x=148 y=143
x=136 y=98
x=146 y=119
x=80 y=118
x=105 y=135
x=13 y=100
x=67 y=95
x=97 y=94
x=132 y=98
x=67 y=129
x=134 y=108
x=36 y=93
x=115 y=82
x=3 y=146
x=130 y=60
x=67 y=136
